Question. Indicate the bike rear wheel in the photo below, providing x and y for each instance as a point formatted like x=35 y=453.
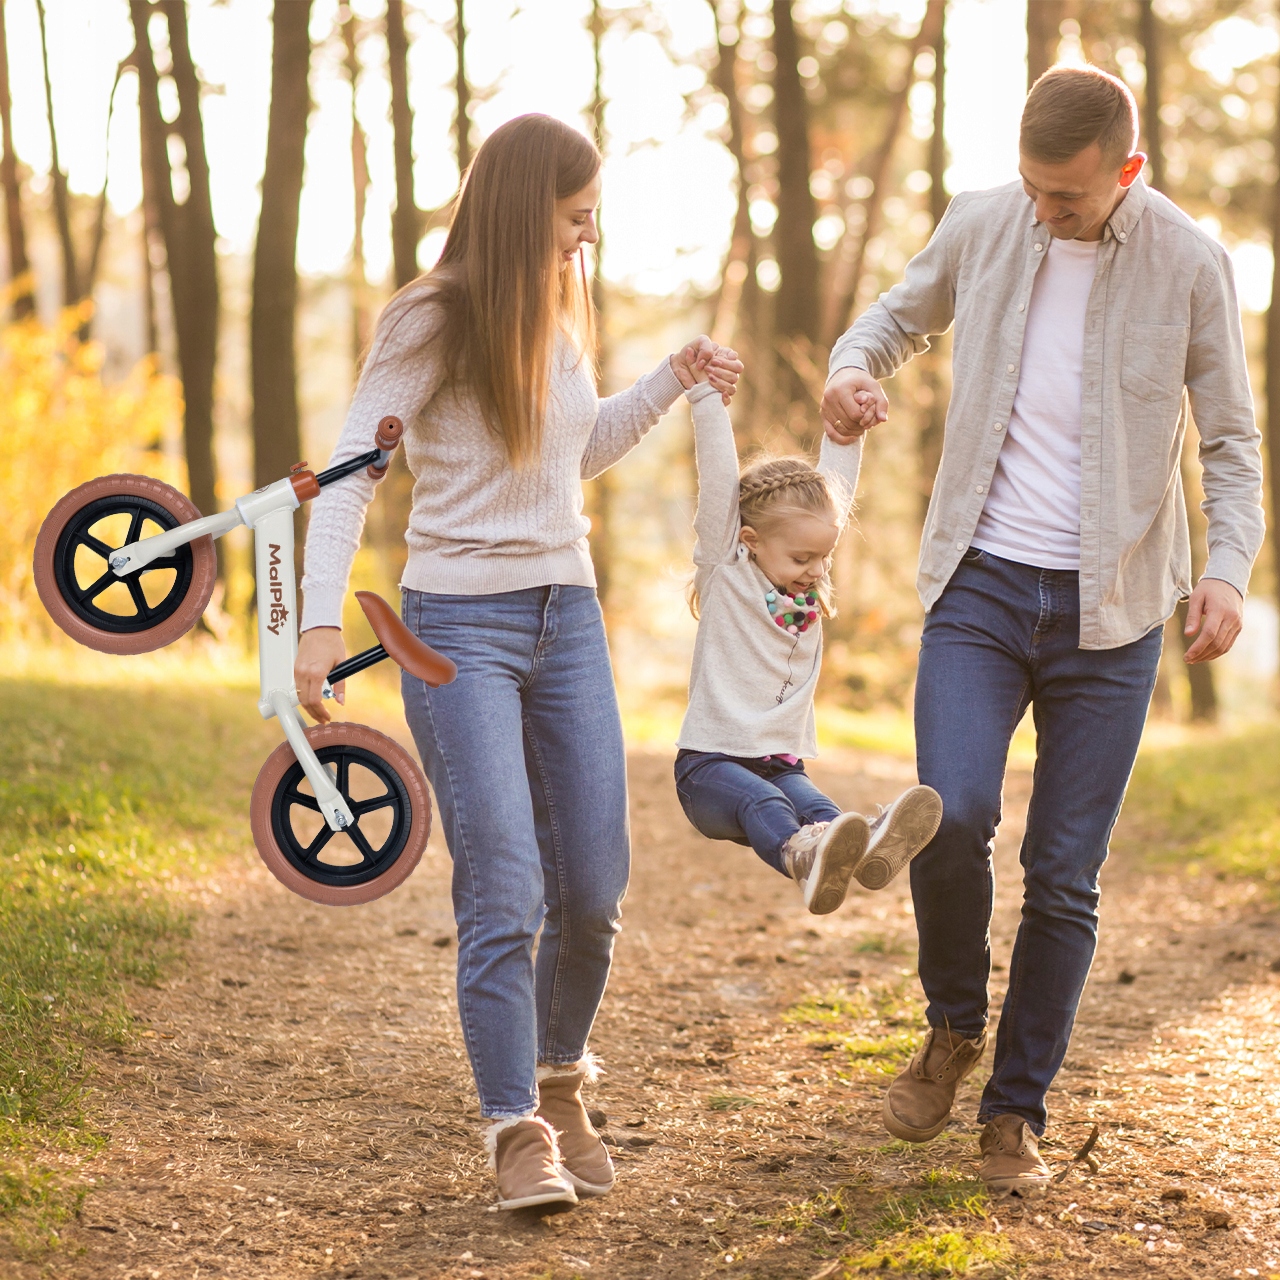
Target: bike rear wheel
x=144 y=610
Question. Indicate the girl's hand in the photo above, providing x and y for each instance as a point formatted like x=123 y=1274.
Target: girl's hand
x=689 y=364
x=724 y=371
x=319 y=650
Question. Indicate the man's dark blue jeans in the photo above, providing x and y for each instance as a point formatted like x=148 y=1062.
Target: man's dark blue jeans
x=761 y=803
x=1004 y=636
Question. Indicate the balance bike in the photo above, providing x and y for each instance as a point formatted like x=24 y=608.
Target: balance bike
x=125 y=564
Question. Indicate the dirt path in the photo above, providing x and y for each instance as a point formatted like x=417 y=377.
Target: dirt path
x=300 y=1104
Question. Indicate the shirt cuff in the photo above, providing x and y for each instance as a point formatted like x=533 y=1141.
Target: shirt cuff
x=1231 y=568
x=700 y=391
x=322 y=607
x=853 y=358
x=662 y=388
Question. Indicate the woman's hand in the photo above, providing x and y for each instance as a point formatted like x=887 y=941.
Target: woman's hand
x=704 y=361
x=319 y=650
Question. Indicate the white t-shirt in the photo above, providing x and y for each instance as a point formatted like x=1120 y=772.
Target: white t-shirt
x=1032 y=514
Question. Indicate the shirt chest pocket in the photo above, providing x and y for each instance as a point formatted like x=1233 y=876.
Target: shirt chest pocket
x=1153 y=362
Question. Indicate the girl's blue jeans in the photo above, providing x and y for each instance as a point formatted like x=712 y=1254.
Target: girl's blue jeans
x=761 y=803
x=1002 y=637
x=524 y=753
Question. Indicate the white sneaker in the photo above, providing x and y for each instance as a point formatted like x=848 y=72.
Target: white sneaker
x=821 y=859
x=898 y=833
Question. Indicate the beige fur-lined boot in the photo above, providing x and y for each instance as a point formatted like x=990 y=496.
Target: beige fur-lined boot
x=583 y=1157
x=526 y=1159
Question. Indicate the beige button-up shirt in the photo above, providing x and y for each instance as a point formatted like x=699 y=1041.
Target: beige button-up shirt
x=1162 y=337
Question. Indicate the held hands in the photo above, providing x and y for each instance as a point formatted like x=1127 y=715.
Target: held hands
x=319 y=650
x=1216 y=611
x=704 y=361
x=853 y=402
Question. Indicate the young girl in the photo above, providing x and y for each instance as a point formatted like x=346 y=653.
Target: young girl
x=486 y=359
x=760 y=589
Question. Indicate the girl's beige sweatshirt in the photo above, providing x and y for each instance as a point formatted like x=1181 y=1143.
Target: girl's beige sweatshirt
x=478 y=525
x=752 y=683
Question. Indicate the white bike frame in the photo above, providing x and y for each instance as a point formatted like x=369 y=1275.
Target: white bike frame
x=269 y=513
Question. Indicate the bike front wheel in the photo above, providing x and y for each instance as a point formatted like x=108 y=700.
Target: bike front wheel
x=389 y=801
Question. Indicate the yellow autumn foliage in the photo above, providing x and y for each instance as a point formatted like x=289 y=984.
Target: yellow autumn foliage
x=60 y=425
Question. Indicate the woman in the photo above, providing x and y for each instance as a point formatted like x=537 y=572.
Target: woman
x=486 y=359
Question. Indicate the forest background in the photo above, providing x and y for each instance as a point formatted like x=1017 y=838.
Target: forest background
x=207 y=203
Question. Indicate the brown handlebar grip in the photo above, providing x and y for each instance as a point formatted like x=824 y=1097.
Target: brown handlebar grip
x=388 y=433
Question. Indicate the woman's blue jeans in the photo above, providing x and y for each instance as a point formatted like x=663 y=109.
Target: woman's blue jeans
x=1004 y=636
x=524 y=753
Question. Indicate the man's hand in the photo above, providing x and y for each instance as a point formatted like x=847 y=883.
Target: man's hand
x=319 y=650
x=852 y=402
x=1216 y=611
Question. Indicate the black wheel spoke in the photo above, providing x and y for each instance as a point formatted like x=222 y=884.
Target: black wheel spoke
x=94 y=591
x=359 y=840
x=361 y=807
x=344 y=774
x=323 y=837
x=294 y=796
x=139 y=599
x=135 y=525
x=97 y=546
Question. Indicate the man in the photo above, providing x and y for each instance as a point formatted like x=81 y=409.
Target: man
x=1088 y=310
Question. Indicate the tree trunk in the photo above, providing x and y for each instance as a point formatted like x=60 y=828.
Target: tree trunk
x=360 y=183
x=61 y=206
x=847 y=273
x=1273 y=378
x=187 y=233
x=601 y=492
x=462 y=121
x=406 y=221
x=796 y=313
x=1149 y=35
x=1044 y=20
x=22 y=297
x=933 y=421
x=276 y=445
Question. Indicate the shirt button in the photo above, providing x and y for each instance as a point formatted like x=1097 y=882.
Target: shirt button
x=1011 y=367
x=982 y=488
x=1022 y=306
x=959 y=546
x=997 y=426
x=1038 y=246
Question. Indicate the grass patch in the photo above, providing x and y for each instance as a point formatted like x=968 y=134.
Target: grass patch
x=876 y=1027
x=948 y=1253
x=1214 y=803
x=113 y=797
x=729 y=1101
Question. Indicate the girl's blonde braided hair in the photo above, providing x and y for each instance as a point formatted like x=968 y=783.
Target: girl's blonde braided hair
x=770 y=488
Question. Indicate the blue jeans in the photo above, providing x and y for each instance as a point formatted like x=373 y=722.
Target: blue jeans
x=524 y=753
x=1003 y=636
x=761 y=803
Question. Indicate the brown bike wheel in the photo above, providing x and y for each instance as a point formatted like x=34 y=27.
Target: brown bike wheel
x=143 y=611
x=388 y=798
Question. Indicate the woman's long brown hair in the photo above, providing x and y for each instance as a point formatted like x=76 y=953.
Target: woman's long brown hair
x=503 y=293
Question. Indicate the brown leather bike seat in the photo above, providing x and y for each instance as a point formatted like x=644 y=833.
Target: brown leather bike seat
x=402 y=645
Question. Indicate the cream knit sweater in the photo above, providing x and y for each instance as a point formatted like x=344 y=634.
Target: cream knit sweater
x=478 y=525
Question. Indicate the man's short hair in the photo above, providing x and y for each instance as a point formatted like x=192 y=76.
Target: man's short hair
x=1069 y=108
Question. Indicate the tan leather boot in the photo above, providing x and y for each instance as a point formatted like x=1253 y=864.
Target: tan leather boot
x=918 y=1103
x=1011 y=1163
x=583 y=1157
x=527 y=1161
